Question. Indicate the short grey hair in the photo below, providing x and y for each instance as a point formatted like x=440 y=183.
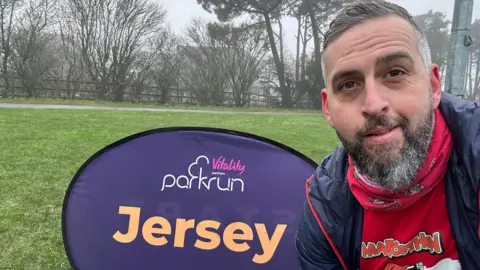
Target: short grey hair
x=364 y=10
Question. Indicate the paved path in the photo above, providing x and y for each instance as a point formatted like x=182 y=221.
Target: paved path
x=76 y=107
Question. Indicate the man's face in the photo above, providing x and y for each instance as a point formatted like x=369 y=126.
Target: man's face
x=380 y=99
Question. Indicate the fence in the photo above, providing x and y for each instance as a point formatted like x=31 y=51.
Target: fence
x=135 y=93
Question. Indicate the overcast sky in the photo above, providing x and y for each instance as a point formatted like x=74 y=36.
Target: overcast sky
x=180 y=12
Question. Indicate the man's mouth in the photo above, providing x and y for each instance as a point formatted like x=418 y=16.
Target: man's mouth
x=380 y=130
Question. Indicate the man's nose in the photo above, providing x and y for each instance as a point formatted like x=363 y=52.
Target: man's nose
x=374 y=102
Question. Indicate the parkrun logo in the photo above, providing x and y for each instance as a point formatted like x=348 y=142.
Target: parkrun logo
x=197 y=177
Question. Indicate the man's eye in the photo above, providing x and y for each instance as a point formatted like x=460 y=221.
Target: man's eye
x=347 y=86
x=395 y=73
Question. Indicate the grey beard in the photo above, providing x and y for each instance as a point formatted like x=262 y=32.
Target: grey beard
x=394 y=172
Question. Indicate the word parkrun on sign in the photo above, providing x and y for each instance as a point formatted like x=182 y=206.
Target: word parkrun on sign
x=196 y=178
x=234 y=241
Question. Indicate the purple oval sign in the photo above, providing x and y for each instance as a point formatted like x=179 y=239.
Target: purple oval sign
x=186 y=198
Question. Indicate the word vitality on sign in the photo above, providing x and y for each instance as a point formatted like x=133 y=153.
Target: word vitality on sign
x=198 y=177
x=235 y=235
x=220 y=164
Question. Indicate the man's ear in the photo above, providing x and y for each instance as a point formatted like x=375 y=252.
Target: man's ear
x=435 y=84
x=325 y=109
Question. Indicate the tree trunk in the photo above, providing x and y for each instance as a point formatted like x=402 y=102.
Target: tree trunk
x=286 y=98
x=297 y=56
x=319 y=85
x=304 y=50
x=477 y=77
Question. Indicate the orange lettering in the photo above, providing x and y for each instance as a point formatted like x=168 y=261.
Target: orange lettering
x=182 y=226
x=203 y=232
x=229 y=236
x=235 y=236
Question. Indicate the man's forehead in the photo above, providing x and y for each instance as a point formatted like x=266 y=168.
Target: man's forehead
x=392 y=34
x=377 y=59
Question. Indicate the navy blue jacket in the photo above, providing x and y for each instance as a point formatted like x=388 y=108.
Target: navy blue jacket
x=330 y=229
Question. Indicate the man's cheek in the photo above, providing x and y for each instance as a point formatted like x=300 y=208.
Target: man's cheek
x=412 y=109
x=350 y=134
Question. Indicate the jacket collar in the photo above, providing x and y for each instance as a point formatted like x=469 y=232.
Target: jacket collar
x=462 y=117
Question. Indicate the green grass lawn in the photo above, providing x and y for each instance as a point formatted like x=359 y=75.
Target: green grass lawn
x=42 y=149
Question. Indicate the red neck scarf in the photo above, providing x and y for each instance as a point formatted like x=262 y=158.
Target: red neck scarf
x=372 y=196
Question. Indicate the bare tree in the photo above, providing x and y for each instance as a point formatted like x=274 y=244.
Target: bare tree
x=202 y=69
x=167 y=66
x=266 y=10
x=30 y=45
x=243 y=56
x=223 y=59
x=73 y=69
x=158 y=65
x=8 y=10
x=111 y=33
x=302 y=27
x=299 y=11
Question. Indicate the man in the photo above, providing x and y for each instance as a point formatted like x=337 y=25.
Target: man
x=402 y=192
